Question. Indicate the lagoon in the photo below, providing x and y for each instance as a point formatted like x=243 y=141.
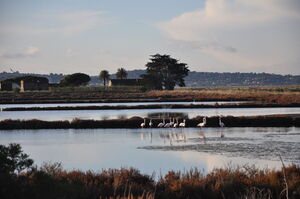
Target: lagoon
x=159 y=150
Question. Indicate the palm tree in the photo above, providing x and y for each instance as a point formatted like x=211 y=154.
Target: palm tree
x=104 y=76
x=121 y=73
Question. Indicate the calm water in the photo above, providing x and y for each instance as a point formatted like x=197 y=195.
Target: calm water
x=151 y=113
x=111 y=104
x=159 y=150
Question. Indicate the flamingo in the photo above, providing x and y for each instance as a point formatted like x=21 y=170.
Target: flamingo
x=168 y=125
x=144 y=123
x=162 y=124
x=221 y=123
x=182 y=124
x=176 y=124
x=202 y=124
x=172 y=123
x=150 y=123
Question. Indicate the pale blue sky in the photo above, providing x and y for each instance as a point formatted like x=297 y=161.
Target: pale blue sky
x=66 y=36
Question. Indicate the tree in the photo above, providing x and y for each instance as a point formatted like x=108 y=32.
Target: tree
x=104 y=76
x=76 y=79
x=121 y=73
x=13 y=159
x=164 y=72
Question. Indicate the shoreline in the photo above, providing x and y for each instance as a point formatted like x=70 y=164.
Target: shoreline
x=288 y=120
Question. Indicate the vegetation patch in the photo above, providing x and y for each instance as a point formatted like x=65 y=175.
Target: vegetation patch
x=277 y=95
x=52 y=181
x=135 y=122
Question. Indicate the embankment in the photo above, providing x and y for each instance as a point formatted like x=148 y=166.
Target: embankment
x=279 y=95
x=134 y=122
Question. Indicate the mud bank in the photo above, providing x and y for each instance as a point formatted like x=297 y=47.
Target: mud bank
x=135 y=122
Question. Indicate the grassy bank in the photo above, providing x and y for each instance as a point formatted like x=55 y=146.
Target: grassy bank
x=279 y=95
x=230 y=121
x=51 y=181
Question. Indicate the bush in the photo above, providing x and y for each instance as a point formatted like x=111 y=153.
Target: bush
x=13 y=160
x=76 y=79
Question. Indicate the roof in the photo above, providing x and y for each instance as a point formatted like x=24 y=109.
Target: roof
x=27 y=79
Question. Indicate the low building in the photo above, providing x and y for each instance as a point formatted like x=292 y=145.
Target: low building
x=25 y=83
x=125 y=82
x=5 y=86
x=8 y=86
x=32 y=83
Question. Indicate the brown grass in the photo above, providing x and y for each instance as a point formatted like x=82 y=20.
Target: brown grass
x=231 y=182
x=283 y=94
x=134 y=122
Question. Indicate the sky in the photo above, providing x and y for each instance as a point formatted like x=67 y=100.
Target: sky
x=68 y=36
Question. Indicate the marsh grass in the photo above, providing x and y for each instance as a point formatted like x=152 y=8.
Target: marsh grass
x=134 y=122
x=277 y=94
x=83 y=89
x=246 y=182
x=283 y=94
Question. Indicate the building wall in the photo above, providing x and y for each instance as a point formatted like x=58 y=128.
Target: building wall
x=33 y=85
x=124 y=82
x=15 y=86
x=5 y=86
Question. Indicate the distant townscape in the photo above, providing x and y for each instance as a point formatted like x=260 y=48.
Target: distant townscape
x=194 y=79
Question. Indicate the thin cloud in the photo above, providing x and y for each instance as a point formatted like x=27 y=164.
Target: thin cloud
x=81 y=21
x=68 y=23
x=70 y=52
x=218 y=15
x=202 y=45
x=262 y=31
x=28 y=52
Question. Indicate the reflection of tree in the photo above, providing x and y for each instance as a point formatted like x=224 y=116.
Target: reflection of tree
x=122 y=116
x=167 y=115
x=105 y=117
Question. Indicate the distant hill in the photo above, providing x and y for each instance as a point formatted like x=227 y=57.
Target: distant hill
x=194 y=79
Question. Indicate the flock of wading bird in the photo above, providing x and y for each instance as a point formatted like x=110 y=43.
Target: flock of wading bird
x=175 y=136
x=173 y=124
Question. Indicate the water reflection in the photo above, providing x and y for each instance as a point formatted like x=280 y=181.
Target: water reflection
x=161 y=115
x=172 y=137
x=151 y=113
x=202 y=136
x=114 y=104
x=122 y=116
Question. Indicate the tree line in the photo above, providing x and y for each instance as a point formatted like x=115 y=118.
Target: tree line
x=162 y=73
